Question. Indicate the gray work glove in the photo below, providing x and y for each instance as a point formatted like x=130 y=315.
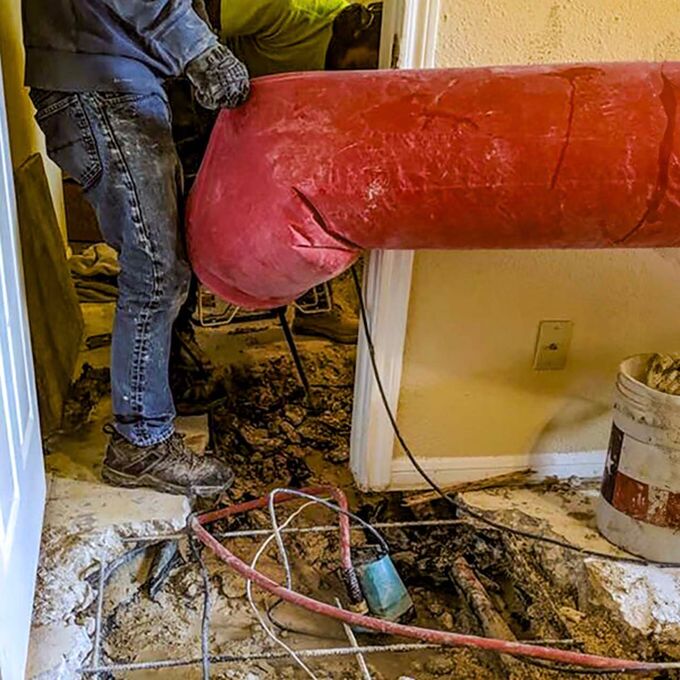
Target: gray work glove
x=220 y=80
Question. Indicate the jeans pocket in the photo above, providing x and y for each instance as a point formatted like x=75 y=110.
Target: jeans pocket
x=70 y=141
x=134 y=101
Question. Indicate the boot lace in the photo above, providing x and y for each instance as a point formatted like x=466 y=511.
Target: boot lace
x=180 y=452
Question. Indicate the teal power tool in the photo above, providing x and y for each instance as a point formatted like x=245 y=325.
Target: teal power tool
x=383 y=589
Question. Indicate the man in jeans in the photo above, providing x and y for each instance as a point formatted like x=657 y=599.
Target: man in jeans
x=96 y=69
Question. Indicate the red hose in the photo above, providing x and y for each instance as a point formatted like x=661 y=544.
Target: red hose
x=388 y=627
x=337 y=495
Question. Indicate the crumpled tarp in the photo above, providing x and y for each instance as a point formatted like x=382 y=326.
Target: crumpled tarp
x=95 y=272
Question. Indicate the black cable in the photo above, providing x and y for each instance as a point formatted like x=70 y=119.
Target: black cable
x=460 y=506
x=456 y=501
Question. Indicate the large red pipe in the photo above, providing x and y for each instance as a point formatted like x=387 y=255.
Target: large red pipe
x=318 y=167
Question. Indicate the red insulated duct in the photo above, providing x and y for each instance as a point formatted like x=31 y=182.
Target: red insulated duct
x=320 y=166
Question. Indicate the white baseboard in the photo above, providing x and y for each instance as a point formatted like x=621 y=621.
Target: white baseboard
x=447 y=471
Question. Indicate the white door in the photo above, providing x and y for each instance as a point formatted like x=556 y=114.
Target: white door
x=22 y=478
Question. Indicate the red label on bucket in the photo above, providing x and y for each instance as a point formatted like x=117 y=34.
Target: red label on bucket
x=635 y=498
x=646 y=503
x=612 y=466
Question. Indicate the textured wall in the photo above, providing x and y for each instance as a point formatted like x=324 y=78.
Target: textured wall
x=468 y=387
x=481 y=32
x=25 y=137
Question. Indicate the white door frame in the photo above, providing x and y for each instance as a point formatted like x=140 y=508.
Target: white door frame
x=387 y=284
x=22 y=487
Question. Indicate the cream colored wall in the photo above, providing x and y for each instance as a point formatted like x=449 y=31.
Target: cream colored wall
x=468 y=387
x=483 y=32
x=25 y=137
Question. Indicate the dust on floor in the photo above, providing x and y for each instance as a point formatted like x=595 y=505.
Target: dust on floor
x=273 y=438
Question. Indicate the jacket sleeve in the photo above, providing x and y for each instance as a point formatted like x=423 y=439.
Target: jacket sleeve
x=171 y=29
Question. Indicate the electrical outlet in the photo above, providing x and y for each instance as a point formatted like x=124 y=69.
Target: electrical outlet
x=552 y=345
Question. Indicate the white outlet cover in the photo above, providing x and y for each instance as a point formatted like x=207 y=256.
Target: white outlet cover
x=552 y=345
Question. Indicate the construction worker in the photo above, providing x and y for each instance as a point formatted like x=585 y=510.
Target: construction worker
x=276 y=36
x=96 y=70
x=280 y=36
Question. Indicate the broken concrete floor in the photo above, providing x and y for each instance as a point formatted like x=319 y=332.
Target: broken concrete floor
x=86 y=525
x=272 y=438
x=641 y=603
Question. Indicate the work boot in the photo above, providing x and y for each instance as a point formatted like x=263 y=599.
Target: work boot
x=169 y=467
x=196 y=393
x=196 y=385
x=337 y=325
x=339 y=320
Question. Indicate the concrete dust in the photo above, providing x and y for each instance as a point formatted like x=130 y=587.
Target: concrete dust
x=272 y=437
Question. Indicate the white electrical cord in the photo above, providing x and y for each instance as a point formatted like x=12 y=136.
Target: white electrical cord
x=326 y=504
x=249 y=585
x=277 y=535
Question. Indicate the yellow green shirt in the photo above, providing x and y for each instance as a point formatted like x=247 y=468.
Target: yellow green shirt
x=279 y=36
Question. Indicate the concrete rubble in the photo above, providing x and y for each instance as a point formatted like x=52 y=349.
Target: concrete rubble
x=85 y=524
x=645 y=600
x=272 y=437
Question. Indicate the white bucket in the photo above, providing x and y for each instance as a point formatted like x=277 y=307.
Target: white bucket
x=639 y=509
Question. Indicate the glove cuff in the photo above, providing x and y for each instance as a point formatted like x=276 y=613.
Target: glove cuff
x=208 y=59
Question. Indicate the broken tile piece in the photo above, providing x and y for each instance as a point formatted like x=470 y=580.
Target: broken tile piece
x=90 y=507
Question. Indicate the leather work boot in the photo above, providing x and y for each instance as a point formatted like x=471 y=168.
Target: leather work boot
x=340 y=323
x=337 y=325
x=169 y=467
x=196 y=385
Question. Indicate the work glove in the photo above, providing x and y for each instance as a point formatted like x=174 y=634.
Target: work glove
x=220 y=80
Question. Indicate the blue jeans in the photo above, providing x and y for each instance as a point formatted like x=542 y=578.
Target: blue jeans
x=119 y=147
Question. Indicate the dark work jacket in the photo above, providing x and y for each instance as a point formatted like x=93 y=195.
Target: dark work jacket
x=110 y=45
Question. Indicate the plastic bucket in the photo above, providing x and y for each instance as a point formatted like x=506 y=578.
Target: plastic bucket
x=639 y=508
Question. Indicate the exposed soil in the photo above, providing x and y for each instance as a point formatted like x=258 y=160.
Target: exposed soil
x=85 y=393
x=273 y=438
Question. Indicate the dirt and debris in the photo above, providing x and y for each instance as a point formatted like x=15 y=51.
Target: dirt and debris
x=85 y=393
x=269 y=433
x=663 y=373
x=272 y=437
